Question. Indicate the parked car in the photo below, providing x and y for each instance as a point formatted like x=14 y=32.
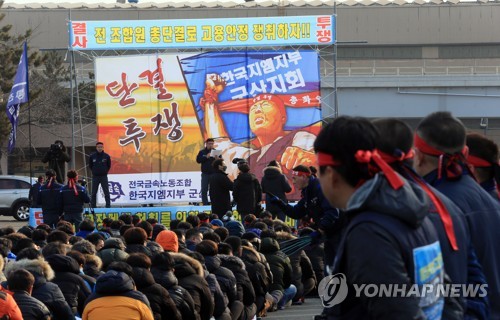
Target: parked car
x=14 y=191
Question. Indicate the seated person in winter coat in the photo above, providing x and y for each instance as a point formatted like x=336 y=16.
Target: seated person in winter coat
x=115 y=298
x=303 y=277
x=8 y=306
x=43 y=288
x=224 y=277
x=73 y=287
x=163 y=273
x=161 y=303
x=191 y=277
x=21 y=284
x=113 y=250
x=245 y=291
x=282 y=288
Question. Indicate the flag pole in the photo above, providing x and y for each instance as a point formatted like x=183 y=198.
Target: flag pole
x=29 y=139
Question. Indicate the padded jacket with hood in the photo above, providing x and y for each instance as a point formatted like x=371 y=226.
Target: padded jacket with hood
x=181 y=297
x=44 y=290
x=386 y=232
x=162 y=305
x=274 y=182
x=247 y=193
x=279 y=263
x=115 y=299
x=190 y=274
x=73 y=287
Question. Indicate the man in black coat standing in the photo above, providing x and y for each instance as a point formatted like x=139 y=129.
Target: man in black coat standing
x=220 y=186
x=206 y=158
x=100 y=163
x=56 y=158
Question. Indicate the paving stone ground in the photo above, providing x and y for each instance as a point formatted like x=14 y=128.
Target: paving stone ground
x=310 y=308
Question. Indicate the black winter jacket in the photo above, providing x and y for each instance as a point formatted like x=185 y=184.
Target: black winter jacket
x=73 y=287
x=162 y=305
x=247 y=193
x=99 y=163
x=281 y=267
x=31 y=308
x=191 y=277
x=71 y=203
x=386 y=227
x=49 y=199
x=301 y=265
x=44 y=290
x=138 y=248
x=275 y=182
x=220 y=186
x=245 y=291
x=206 y=163
x=181 y=297
x=225 y=277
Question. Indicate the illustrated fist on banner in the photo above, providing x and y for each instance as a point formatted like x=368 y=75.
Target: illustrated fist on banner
x=215 y=82
x=294 y=156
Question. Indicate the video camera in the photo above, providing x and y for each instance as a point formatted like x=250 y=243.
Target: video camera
x=82 y=182
x=55 y=148
x=239 y=161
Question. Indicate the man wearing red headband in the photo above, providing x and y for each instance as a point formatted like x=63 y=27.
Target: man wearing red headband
x=48 y=199
x=389 y=239
x=267 y=117
x=315 y=206
x=440 y=157
x=72 y=198
x=459 y=256
x=483 y=156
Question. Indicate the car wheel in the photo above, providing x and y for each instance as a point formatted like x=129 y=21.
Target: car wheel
x=21 y=211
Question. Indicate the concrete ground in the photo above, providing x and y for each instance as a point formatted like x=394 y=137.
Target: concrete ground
x=308 y=310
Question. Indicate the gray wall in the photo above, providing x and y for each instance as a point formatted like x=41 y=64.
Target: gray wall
x=426 y=25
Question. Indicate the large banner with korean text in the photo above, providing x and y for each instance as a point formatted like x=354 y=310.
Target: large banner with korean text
x=201 y=33
x=155 y=111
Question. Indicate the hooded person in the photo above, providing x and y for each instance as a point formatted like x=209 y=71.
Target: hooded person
x=275 y=183
x=191 y=277
x=113 y=250
x=168 y=241
x=115 y=298
x=389 y=238
x=162 y=271
x=73 y=287
x=161 y=303
x=44 y=289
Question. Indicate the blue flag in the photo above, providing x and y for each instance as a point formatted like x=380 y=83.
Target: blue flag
x=18 y=95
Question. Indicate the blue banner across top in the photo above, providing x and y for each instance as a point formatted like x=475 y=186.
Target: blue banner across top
x=163 y=214
x=196 y=33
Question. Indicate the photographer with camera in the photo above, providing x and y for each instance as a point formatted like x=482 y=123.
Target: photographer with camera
x=56 y=157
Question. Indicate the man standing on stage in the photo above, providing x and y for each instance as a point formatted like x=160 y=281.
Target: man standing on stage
x=100 y=163
x=206 y=159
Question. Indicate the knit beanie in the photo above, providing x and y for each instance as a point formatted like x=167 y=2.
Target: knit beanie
x=235 y=228
x=168 y=241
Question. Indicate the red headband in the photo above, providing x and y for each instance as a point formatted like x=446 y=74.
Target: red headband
x=478 y=162
x=325 y=159
x=72 y=185
x=300 y=174
x=443 y=212
x=365 y=156
x=392 y=158
x=451 y=163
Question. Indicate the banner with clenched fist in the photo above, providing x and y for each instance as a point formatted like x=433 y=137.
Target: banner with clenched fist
x=155 y=111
